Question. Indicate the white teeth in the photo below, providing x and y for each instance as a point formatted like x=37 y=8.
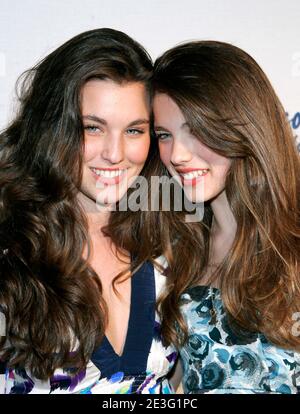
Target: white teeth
x=194 y=174
x=106 y=173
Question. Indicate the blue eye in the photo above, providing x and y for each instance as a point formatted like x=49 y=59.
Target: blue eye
x=134 y=131
x=92 y=128
x=162 y=136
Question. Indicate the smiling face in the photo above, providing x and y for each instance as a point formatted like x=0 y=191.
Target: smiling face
x=191 y=163
x=116 y=138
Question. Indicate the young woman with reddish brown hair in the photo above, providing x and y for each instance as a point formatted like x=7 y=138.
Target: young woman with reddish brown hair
x=233 y=289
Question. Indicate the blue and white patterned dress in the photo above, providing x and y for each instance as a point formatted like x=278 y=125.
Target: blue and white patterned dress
x=217 y=360
x=141 y=369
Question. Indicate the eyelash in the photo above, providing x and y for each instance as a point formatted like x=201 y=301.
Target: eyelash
x=162 y=136
x=137 y=131
x=92 y=128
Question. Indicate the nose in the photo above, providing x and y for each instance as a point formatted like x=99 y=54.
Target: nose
x=180 y=153
x=113 y=149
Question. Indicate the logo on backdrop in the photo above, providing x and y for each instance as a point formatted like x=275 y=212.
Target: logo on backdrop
x=295 y=124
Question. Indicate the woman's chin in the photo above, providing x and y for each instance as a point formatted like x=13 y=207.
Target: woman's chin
x=109 y=199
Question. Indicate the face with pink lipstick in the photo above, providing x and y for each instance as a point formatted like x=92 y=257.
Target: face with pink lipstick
x=116 y=137
x=191 y=163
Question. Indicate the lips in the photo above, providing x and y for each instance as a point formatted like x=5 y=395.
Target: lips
x=190 y=176
x=108 y=176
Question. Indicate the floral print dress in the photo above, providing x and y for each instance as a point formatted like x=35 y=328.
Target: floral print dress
x=217 y=360
x=142 y=368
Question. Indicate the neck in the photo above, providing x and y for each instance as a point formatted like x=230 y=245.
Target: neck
x=223 y=230
x=224 y=222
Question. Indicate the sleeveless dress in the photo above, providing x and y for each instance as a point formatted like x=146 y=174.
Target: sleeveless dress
x=217 y=360
x=141 y=369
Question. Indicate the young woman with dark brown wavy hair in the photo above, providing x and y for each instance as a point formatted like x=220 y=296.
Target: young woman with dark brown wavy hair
x=233 y=289
x=76 y=290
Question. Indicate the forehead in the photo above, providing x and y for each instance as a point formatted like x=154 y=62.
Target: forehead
x=166 y=111
x=107 y=97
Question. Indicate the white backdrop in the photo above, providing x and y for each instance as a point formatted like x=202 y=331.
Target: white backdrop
x=267 y=29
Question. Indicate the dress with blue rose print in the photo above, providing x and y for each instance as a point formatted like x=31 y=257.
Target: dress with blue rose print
x=217 y=360
x=142 y=368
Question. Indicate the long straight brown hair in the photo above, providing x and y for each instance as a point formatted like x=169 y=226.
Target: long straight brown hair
x=50 y=296
x=232 y=108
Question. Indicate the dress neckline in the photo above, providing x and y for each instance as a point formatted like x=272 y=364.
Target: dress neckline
x=105 y=338
x=140 y=331
x=129 y=324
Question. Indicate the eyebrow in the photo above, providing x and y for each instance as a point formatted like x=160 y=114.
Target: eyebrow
x=161 y=128
x=103 y=122
x=185 y=124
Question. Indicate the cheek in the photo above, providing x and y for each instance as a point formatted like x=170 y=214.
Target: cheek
x=90 y=150
x=137 y=152
x=222 y=171
x=165 y=153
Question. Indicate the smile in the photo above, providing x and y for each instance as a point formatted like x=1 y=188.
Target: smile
x=108 y=177
x=107 y=173
x=192 y=177
x=193 y=174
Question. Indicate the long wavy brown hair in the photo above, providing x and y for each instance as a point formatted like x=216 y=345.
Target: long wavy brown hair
x=50 y=296
x=232 y=108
